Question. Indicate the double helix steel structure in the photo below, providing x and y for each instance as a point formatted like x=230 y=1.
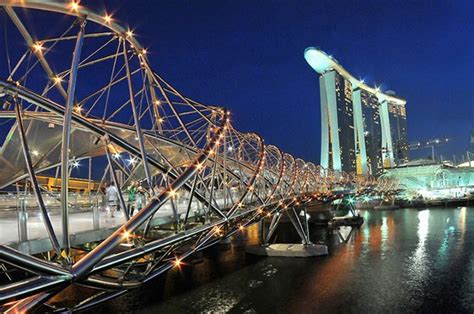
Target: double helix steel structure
x=75 y=86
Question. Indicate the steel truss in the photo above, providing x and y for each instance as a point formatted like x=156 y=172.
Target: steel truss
x=87 y=92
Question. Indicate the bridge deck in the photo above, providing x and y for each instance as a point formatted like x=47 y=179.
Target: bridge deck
x=81 y=227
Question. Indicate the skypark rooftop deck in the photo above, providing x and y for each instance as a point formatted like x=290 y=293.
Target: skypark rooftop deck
x=322 y=62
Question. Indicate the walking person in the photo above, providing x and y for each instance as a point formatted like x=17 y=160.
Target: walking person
x=132 y=197
x=140 y=201
x=111 y=194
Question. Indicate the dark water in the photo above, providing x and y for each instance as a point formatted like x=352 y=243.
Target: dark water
x=398 y=261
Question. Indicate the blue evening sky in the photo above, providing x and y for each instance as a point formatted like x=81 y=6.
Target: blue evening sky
x=248 y=56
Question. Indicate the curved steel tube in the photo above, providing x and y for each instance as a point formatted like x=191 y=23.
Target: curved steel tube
x=258 y=179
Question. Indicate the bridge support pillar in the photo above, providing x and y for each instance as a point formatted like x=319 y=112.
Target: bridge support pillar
x=301 y=227
x=288 y=250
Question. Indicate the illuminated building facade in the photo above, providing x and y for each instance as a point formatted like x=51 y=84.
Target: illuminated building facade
x=363 y=130
x=338 y=133
x=371 y=136
x=433 y=181
x=398 y=130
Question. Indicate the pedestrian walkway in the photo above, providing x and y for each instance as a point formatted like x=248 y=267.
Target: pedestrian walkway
x=79 y=223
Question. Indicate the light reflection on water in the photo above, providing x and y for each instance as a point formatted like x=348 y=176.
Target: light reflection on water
x=398 y=261
x=418 y=267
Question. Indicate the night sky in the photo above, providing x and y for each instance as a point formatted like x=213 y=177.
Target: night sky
x=248 y=56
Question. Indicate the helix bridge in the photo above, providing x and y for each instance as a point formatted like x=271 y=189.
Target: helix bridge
x=77 y=88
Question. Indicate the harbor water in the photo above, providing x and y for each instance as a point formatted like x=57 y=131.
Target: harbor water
x=405 y=260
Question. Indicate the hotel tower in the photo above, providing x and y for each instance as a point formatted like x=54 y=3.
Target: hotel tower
x=363 y=129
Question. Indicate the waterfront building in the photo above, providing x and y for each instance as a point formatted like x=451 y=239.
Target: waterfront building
x=363 y=129
x=398 y=131
x=338 y=130
x=433 y=180
x=372 y=132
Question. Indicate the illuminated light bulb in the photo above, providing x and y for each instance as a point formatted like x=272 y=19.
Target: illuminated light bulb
x=132 y=161
x=259 y=211
x=172 y=193
x=160 y=120
x=116 y=155
x=199 y=166
x=177 y=262
x=241 y=228
x=107 y=18
x=75 y=5
x=37 y=47
x=129 y=33
x=35 y=153
x=240 y=205
x=144 y=51
x=77 y=109
x=157 y=102
x=126 y=235
x=75 y=164
x=57 y=80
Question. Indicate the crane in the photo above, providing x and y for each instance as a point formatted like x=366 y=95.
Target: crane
x=432 y=143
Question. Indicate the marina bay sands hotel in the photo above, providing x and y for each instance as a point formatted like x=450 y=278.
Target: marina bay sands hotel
x=363 y=130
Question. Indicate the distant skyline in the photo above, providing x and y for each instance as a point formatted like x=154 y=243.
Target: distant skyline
x=249 y=58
